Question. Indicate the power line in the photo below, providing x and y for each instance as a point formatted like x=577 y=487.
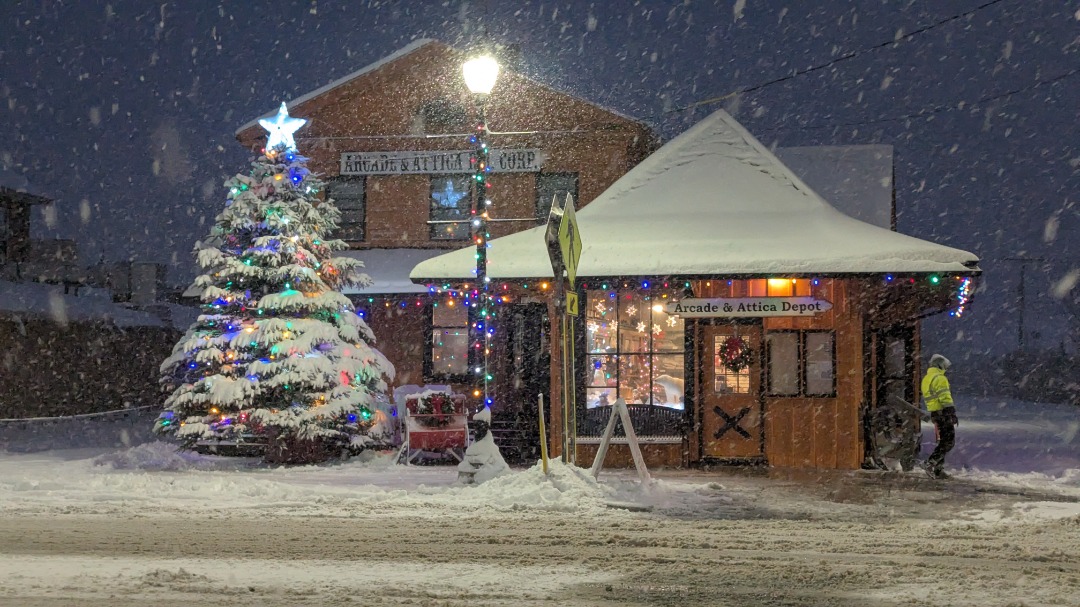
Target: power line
x=845 y=57
x=963 y=105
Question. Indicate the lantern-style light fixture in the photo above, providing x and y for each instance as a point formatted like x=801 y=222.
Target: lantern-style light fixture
x=480 y=74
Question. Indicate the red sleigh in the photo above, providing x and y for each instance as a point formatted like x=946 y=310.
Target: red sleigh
x=434 y=434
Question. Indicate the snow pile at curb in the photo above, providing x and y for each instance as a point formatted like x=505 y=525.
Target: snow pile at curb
x=566 y=488
x=160 y=455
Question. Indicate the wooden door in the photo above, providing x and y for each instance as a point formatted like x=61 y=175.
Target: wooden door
x=730 y=400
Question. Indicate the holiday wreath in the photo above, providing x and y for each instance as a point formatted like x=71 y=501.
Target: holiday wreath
x=434 y=408
x=735 y=354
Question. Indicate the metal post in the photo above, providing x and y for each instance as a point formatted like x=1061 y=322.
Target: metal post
x=571 y=384
x=1020 y=325
x=1020 y=295
x=481 y=206
x=560 y=307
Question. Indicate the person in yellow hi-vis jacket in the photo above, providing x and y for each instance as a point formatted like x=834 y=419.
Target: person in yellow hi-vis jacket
x=939 y=402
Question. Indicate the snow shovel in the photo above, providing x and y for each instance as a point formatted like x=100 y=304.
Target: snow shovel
x=922 y=414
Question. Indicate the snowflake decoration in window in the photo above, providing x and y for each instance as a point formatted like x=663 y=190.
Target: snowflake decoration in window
x=656 y=330
x=672 y=321
x=631 y=310
x=449 y=197
x=601 y=308
x=641 y=327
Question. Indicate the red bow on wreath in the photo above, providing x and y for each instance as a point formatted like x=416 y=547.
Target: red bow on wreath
x=735 y=354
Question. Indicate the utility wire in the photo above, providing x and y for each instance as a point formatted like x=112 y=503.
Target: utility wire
x=845 y=57
x=939 y=108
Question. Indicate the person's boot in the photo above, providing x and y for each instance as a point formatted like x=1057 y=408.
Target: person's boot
x=933 y=471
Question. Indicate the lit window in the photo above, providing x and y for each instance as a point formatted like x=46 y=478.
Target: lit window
x=781 y=287
x=726 y=381
x=449 y=346
x=635 y=350
x=451 y=202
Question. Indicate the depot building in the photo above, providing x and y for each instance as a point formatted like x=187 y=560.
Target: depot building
x=741 y=317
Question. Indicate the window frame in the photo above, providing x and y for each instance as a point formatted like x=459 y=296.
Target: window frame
x=620 y=356
x=542 y=218
x=800 y=362
x=433 y=228
x=832 y=361
x=430 y=374
x=362 y=180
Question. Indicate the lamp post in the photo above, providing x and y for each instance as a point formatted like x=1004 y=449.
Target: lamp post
x=480 y=74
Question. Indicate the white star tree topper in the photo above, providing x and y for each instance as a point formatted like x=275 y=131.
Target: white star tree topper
x=280 y=129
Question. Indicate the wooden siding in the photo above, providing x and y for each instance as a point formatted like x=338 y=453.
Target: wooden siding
x=822 y=432
x=656 y=455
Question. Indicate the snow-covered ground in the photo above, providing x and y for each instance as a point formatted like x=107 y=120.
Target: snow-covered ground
x=145 y=524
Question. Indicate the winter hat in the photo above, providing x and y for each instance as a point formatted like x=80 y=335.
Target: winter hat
x=940 y=362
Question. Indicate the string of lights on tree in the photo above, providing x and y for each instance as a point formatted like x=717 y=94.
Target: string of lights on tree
x=277 y=350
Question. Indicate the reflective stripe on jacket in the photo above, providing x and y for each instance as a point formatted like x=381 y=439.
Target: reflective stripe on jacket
x=935 y=390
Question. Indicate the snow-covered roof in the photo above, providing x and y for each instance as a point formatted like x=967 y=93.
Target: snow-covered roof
x=389 y=269
x=712 y=202
x=405 y=50
x=41 y=300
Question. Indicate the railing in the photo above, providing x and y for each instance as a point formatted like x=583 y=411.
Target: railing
x=119 y=428
x=649 y=421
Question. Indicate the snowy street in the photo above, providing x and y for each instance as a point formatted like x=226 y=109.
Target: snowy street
x=146 y=525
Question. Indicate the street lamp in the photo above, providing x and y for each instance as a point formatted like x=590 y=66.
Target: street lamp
x=480 y=74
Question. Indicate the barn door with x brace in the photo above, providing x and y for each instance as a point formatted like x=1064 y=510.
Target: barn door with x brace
x=730 y=399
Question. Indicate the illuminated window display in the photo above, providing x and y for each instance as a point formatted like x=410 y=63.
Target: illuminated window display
x=635 y=349
x=449 y=341
x=725 y=379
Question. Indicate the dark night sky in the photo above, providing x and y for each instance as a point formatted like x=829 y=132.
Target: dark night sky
x=124 y=111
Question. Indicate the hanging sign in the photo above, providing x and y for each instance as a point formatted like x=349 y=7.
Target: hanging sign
x=439 y=162
x=745 y=307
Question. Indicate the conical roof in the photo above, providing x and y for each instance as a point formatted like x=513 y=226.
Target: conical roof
x=712 y=202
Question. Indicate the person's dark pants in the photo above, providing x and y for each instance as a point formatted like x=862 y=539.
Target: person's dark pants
x=945 y=421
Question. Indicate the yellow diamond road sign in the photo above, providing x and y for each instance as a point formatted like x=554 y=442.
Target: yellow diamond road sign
x=572 y=304
x=570 y=239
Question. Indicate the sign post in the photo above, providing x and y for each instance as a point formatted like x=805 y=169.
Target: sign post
x=564 y=248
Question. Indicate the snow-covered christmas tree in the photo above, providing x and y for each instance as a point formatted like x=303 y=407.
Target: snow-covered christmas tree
x=278 y=353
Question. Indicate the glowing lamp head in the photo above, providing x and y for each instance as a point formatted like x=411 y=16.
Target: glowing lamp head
x=480 y=74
